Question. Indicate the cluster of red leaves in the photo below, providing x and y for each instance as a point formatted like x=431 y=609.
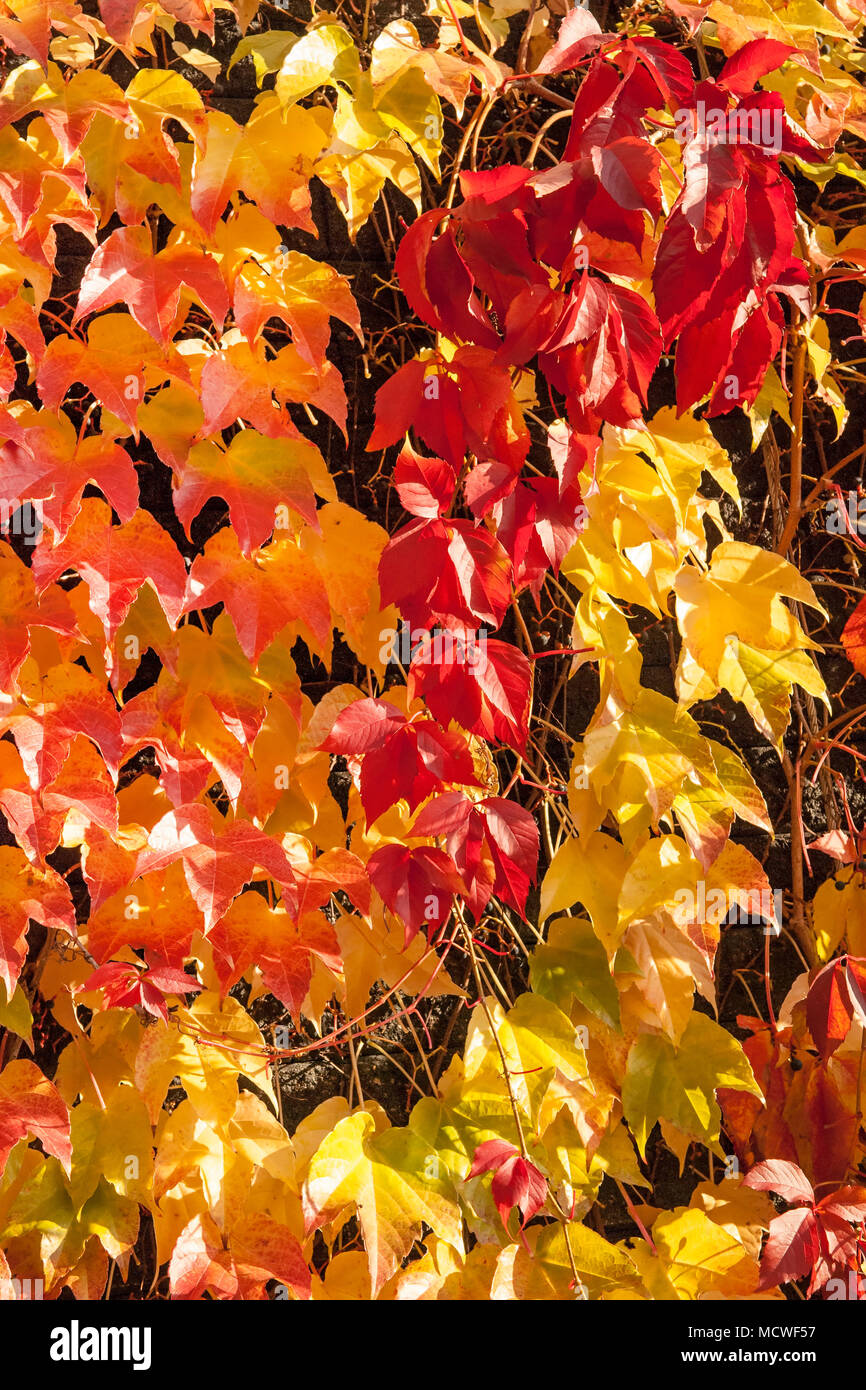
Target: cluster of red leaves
x=819 y=1240
x=520 y=272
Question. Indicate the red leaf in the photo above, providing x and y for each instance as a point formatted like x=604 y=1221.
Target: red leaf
x=416 y=884
x=396 y=404
x=126 y=986
x=217 y=860
x=239 y=1263
x=253 y=476
x=363 y=726
x=263 y=1249
x=37 y=831
x=628 y=169
x=115 y=355
x=538 y=524
x=412 y=765
x=147 y=723
x=29 y=1104
x=848 y=1203
x=854 y=638
x=792 y=1247
x=604 y=351
x=513 y=839
x=200 y=1263
x=754 y=60
x=828 y=1008
x=578 y=35
x=446 y=572
x=493 y=843
x=444 y=815
x=483 y=571
x=839 y=844
x=107 y=867
x=165 y=978
x=438 y=284
x=483 y=685
x=125 y=270
x=841 y=1250
x=776 y=1175
x=855 y=979
x=114 y=562
x=262 y=593
x=516 y=1182
x=252 y=933
x=425 y=486
x=47 y=461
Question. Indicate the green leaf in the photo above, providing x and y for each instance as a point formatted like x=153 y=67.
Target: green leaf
x=678 y=1084
x=573 y=964
x=267 y=51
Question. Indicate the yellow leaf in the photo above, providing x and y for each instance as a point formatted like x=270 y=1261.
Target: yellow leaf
x=208 y=1073
x=346 y=554
x=701 y=1258
x=114 y=1143
x=357 y=177
x=678 y=1084
x=838 y=914
x=327 y=55
x=538 y=1040
x=412 y=109
x=573 y=963
x=738 y=634
x=15 y=1013
x=382 y=1177
x=639 y=759
x=544 y=1271
x=589 y=872
x=770 y=398
x=346 y=1279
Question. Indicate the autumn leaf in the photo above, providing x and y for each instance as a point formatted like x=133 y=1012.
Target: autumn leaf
x=125 y=270
x=286 y=728
x=251 y=932
x=383 y=1178
x=254 y=476
x=114 y=562
x=418 y=885
x=217 y=859
x=544 y=1271
x=516 y=1181
x=29 y=1104
x=572 y=963
x=678 y=1084
x=28 y=892
x=208 y=1073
